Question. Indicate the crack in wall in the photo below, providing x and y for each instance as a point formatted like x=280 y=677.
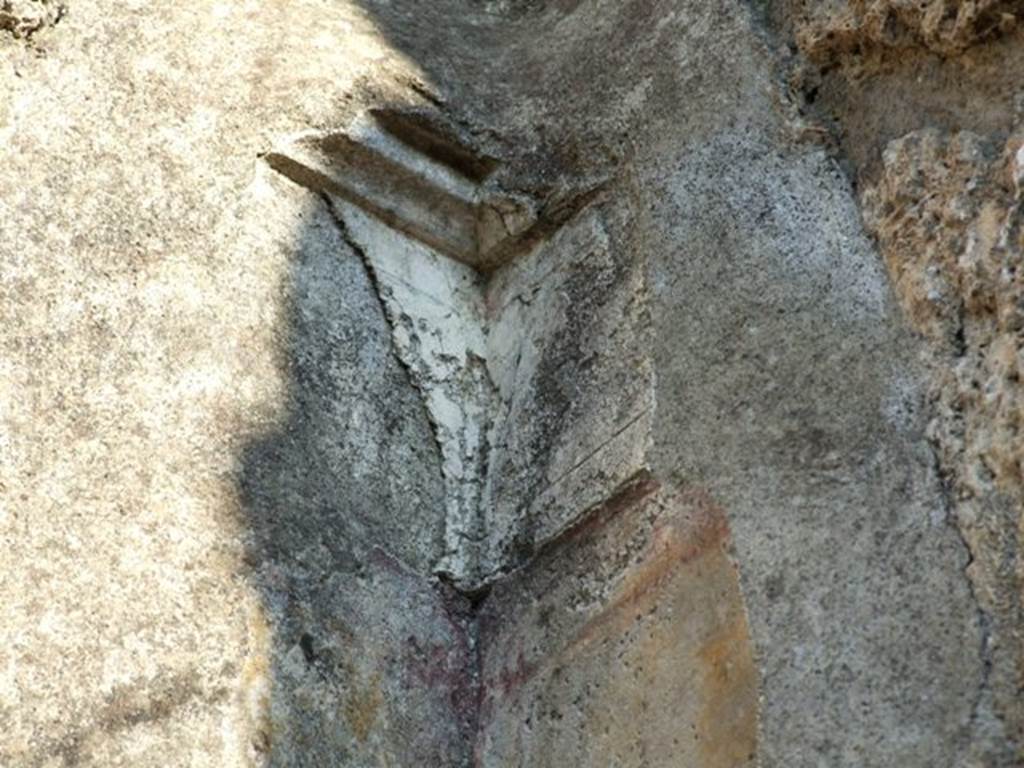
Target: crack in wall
x=982 y=706
x=947 y=212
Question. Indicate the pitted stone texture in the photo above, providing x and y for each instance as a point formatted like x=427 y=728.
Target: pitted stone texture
x=948 y=27
x=863 y=74
x=24 y=18
x=947 y=213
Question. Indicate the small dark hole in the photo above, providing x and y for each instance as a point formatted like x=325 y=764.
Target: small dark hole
x=306 y=643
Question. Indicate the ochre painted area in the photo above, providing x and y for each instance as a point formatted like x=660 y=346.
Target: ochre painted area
x=644 y=662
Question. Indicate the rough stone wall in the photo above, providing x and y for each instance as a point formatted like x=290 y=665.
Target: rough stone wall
x=947 y=215
x=940 y=178
x=689 y=474
x=827 y=29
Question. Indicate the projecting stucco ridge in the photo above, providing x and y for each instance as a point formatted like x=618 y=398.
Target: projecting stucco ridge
x=456 y=330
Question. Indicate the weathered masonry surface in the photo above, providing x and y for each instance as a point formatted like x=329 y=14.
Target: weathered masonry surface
x=465 y=272
x=510 y=382
x=657 y=619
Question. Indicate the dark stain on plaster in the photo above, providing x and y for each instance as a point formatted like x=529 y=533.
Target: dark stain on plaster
x=127 y=707
x=437 y=139
x=47 y=14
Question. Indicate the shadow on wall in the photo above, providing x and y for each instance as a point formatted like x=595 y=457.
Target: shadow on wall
x=625 y=639
x=369 y=661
